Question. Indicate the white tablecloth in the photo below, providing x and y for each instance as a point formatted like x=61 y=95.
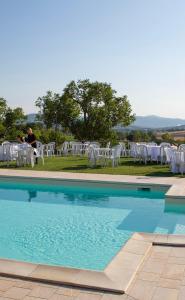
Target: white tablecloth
x=154 y=152
x=178 y=162
x=14 y=151
x=1 y=152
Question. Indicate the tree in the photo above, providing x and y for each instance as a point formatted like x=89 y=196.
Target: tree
x=3 y=107
x=167 y=137
x=56 y=110
x=13 y=116
x=99 y=109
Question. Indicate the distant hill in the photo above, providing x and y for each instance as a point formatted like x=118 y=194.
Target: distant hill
x=157 y=122
x=142 y=122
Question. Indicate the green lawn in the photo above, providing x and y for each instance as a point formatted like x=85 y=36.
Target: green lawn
x=80 y=164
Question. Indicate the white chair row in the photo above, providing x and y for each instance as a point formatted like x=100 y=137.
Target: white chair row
x=75 y=148
x=49 y=149
x=147 y=152
x=104 y=156
x=23 y=153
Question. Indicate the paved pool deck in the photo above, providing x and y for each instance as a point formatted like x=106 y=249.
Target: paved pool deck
x=148 y=267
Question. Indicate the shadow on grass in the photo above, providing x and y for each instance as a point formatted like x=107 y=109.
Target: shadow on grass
x=160 y=174
x=8 y=167
x=81 y=167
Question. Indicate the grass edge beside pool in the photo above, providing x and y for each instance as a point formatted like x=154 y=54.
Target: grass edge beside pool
x=77 y=164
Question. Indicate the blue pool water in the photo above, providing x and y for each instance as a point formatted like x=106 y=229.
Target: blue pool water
x=77 y=226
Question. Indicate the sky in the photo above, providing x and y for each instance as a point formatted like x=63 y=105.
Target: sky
x=136 y=45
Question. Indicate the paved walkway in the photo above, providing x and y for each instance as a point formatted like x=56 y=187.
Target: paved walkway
x=160 y=277
x=27 y=290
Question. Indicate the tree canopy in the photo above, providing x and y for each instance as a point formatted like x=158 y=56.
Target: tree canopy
x=89 y=110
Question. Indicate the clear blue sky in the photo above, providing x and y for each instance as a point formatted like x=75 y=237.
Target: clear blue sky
x=136 y=45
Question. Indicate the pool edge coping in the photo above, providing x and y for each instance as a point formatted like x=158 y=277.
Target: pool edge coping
x=116 y=277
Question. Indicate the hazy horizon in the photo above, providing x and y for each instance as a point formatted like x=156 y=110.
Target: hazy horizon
x=137 y=46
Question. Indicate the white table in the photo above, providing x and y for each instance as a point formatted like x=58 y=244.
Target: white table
x=13 y=152
x=154 y=152
x=178 y=162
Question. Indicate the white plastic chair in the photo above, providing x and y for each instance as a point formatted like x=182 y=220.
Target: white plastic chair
x=115 y=155
x=65 y=149
x=123 y=149
x=169 y=154
x=95 y=144
x=25 y=156
x=50 y=149
x=144 y=156
x=7 y=152
x=152 y=144
x=164 y=144
x=77 y=148
x=40 y=151
x=108 y=145
x=98 y=155
x=5 y=142
x=162 y=157
x=182 y=147
x=182 y=162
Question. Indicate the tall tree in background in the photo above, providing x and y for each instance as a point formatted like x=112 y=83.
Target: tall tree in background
x=88 y=109
x=100 y=109
x=56 y=110
x=13 y=117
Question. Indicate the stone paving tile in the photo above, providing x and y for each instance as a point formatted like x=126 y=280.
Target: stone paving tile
x=142 y=290
x=16 y=293
x=154 y=266
x=66 y=291
x=178 y=252
x=5 y=284
x=42 y=292
x=116 y=297
x=165 y=294
x=148 y=276
x=25 y=284
x=136 y=246
x=182 y=293
x=33 y=298
x=160 y=252
x=61 y=297
x=176 y=260
x=169 y=283
x=173 y=271
x=89 y=296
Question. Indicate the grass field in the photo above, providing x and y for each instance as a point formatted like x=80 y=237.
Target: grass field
x=80 y=164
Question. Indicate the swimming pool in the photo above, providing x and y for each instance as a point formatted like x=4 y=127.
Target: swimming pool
x=81 y=226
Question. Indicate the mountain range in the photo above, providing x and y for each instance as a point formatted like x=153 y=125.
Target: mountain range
x=149 y=122
x=157 y=122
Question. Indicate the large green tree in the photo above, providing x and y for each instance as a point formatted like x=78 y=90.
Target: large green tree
x=56 y=110
x=100 y=109
x=13 y=117
x=88 y=109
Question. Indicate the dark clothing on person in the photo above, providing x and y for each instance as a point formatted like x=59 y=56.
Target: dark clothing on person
x=30 y=138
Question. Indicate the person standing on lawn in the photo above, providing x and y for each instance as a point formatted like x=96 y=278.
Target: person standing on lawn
x=31 y=139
